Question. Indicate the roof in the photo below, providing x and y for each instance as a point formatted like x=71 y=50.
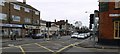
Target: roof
x=25 y=5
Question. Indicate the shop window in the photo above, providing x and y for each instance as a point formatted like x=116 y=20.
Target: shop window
x=18 y=31
x=1 y=33
x=117 y=29
x=16 y=18
x=4 y=32
x=3 y=16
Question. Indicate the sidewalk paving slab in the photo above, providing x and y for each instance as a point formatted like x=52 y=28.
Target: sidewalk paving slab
x=90 y=44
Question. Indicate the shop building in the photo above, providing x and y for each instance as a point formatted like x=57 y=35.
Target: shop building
x=20 y=17
x=54 y=28
x=109 y=22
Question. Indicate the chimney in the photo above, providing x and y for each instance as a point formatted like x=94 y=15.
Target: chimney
x=66 y=21
x=24 y=1
x=55 y=20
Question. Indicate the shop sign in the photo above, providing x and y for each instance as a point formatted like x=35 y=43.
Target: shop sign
x=10 y=25
x=14 y=25
x=36 y=27
x=28 y=26
x=32 y=27
x=114 y=15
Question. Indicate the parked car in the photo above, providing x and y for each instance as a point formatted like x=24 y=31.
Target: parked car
x=81 y=36
x=85 y=34
x=74 y=35
x=88 y=34
x=37 y=36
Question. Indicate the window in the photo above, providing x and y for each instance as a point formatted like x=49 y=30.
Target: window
x=117 y=4
x=36 y=12
x=27 y=9
x=103 y=6
x=16 y=7
x=3 y=16
x=27 y=20
x=36 y=21
x=4 y=32
x=16 y=18
x=117 y=29
x=18 y=31
x=2 y=2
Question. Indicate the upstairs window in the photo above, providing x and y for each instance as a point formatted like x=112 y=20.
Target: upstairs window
x=27 y=9
x=16 y=18
x=36 y=12
x=17 y=7
x=27 y=20
x=36 y=21
x=3 y=16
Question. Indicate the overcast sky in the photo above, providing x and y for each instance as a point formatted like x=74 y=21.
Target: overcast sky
x=72 y=10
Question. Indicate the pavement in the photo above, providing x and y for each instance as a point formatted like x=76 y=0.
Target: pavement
x=89 y=43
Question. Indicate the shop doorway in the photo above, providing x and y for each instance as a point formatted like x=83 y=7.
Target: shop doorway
x=117 y=29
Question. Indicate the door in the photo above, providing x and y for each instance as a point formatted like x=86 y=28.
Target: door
x=116 y=29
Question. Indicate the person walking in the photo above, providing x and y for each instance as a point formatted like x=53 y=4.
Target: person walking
x=15 y=35
x=11 y=34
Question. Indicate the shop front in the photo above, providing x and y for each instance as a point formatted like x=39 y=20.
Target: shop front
x=7 y=28
x=30 y=29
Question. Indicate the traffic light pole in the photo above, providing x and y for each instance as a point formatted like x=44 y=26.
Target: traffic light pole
x=95 y=27
x=48 y=34
x=94 y=31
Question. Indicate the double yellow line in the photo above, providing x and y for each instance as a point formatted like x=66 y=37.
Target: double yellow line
x=44 y=47
x=23 y=51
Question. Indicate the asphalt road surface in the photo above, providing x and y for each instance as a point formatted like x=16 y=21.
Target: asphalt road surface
x=64 y=45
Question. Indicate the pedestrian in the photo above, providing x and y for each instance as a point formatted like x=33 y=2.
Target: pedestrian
x=11 y=34
x=45 y=35
x=15 y=35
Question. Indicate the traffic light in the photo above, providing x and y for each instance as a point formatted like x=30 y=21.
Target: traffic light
x=90 y=26
x=48 y=24
x=91 y=18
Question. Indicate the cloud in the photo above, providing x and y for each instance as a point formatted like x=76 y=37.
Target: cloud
x=65 y=9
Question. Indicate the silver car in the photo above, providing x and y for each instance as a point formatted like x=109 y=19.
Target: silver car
x=81 y=36
x=74 y=35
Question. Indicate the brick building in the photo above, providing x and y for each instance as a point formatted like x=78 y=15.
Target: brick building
x=109 y=23
x=20 y=17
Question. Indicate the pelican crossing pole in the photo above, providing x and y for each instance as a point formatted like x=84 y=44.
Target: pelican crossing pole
x=95 y=26
x=48 y=25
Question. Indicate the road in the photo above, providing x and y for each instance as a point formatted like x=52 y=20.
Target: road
x=41 y=46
